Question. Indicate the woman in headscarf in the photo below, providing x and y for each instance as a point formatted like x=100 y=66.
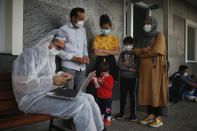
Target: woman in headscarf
x=152 y=88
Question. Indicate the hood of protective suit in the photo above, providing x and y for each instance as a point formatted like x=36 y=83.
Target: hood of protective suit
x=34 y=69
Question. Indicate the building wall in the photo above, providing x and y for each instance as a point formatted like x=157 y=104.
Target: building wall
x=157 y=13
x=180 y=10
x=41 y=16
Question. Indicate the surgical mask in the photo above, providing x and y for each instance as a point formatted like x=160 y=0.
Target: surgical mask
x=185 y=74
x=147 y=27
x=79 y=23
x=105 y=31
x=53 y=51
x=128 y=47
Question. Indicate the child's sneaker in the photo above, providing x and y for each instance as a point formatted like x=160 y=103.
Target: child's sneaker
x=107 y=123
x=120 y=116
x=147 y=119
x=156 y=123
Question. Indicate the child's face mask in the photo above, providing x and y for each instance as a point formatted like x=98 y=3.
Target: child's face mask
x=128 y=47
x=105 y=31
x=185 y=74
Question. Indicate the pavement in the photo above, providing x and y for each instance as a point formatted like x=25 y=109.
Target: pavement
x=180 y=117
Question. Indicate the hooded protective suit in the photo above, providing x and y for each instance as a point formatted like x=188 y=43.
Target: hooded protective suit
x=32 y=77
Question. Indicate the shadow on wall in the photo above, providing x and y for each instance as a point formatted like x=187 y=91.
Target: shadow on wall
x=90 y=37
x=40 y=18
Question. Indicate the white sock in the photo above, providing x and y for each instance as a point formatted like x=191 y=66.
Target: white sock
x=109 y=118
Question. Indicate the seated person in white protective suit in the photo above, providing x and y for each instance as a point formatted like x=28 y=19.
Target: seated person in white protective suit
x=34 y=75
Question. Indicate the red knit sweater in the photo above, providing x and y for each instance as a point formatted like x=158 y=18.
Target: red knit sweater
x=105 y=90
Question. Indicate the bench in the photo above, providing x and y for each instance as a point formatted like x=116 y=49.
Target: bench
x=11 y=116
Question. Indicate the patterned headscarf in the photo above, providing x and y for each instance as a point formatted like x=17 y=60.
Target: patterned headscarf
x=153 y=22
x=148 y=36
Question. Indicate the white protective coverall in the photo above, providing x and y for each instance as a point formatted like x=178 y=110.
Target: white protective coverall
x=32 y=75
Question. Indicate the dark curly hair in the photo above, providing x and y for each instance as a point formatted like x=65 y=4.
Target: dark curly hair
x=183 y=67
x=104 y=19
x=103 y=66
x=74 y=11
x=128 y=39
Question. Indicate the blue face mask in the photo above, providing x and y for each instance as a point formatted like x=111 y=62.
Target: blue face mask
x=105 y=31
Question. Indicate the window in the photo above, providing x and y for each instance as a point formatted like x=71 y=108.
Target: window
x=133 y=23
x=11 y=26
x=190 y=41
x=2 y=25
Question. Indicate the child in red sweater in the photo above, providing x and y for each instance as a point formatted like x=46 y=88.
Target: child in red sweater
x=104 y=85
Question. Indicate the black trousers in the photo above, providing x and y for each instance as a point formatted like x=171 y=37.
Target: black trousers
x=157 y=111
x=128 y=85
x=105 y=106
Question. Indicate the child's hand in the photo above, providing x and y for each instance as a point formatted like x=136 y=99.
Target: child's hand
x=124 y=64
x=93 y=74
x=100 y=80
x=146 y=49
x=95 y=82
x=132 y=69
x=100 y=50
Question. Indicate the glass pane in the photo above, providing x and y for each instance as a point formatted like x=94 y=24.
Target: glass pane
x=191 y=44
x=2 y=25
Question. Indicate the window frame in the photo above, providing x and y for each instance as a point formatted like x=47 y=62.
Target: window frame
x=13 y=29
x=190 y=23
x=129 y=15
x=2 y=25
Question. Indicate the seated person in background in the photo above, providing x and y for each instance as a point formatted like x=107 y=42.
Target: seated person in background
x=180 y=82
x=34 y=75
x=104 y=85
x=191 y=93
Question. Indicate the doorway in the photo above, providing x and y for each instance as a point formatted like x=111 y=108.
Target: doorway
x=139 y=15
x=135 y=14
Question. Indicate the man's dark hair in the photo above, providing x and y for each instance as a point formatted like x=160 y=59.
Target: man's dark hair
x=103 y=67
x=104 y=19
x=74 y=11
x=183 y=67
x=128 y=39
